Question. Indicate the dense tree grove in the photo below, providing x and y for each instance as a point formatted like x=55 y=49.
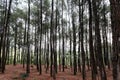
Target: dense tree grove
x=77 y=34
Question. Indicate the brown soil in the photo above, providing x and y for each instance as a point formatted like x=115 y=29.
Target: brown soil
x=13 y=73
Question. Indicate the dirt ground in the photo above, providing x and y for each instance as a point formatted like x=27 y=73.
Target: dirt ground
x=13 y=73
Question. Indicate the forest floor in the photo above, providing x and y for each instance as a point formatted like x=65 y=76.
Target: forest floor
x=15 y=73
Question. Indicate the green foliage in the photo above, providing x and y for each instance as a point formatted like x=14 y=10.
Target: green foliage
x=23 y=76
x=46 y=5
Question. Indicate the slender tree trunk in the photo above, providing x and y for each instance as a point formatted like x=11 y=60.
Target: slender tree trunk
x=55 y=37
x=51 y=44
x=74 y=44
x=15 y=51
x=104 y=34
x=41 y=28
x=98 y=41
x=92 y=56
x=59 y=49
x=4 y=35
x=63 y=43
x=24 y=45
x=82 y=43
x=8 y=47
x=28 y=42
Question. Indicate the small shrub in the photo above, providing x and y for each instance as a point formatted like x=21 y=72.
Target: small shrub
x=23 y=76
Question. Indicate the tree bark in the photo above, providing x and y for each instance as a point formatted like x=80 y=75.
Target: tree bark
x=115 y=24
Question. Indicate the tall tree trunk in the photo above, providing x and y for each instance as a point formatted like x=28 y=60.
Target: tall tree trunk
x=24 y=50
x=115 y=24
x=28 y=42
x=51 y=37
x=92 y=56
x=98 y=41
x=82 y=42
x=104 y=35
x=55 y=37
x=41 y=28
x=74 y=44
x=63 y=42
x=15 y=51
x=8 y=47
x=59 y=49
x=5 y=35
